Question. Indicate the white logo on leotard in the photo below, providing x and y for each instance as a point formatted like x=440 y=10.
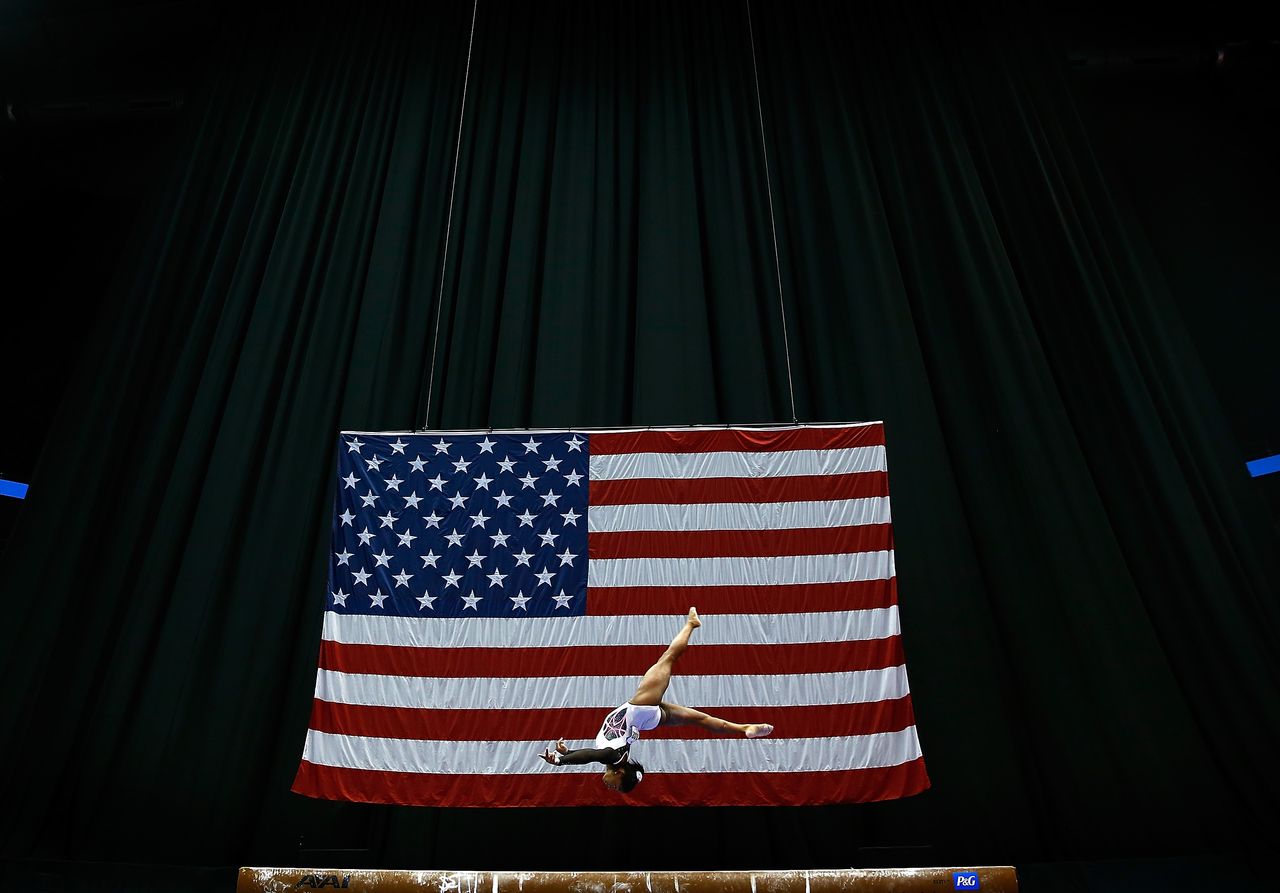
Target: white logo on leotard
x=615 y=725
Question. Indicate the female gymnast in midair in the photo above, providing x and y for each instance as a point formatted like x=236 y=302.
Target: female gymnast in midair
x=646 y=710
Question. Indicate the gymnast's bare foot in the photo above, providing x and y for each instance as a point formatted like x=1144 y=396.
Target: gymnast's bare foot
x=693 y=618
x=759 y=730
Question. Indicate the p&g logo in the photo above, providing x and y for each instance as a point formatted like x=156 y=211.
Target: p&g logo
x=966 y=880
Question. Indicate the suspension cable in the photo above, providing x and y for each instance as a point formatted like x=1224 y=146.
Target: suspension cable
x=773 y=226
x=448 y=225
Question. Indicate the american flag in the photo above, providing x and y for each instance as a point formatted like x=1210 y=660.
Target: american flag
x=492 y=592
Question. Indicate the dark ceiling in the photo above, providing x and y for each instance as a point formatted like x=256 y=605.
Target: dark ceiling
x=93 y=62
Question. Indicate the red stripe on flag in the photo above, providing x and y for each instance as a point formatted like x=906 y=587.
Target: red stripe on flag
x=555 y=788
x=791 y=598
x=736 y=441
x=740 y=543
x=580 y=724
x=609 y=660
x=702 y=491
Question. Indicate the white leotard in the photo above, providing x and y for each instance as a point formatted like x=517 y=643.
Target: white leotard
x=622 y=723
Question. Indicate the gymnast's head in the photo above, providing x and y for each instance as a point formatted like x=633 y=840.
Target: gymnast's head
x=622 y=778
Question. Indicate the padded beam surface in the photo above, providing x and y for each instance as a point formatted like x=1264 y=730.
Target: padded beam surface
x=985 y=879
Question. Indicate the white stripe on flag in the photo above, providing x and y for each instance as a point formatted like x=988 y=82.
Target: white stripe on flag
x=782 y=463
x=643 y=629
x=739 y=515
x=606 y=692
x=745 y=571
x=668 y=755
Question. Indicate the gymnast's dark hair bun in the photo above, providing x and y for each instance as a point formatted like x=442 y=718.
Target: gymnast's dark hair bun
x=632 y=774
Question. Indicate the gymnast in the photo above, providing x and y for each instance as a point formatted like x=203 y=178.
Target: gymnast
x=646 y=710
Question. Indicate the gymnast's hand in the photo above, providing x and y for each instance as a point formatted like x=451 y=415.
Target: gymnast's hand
x=552 y=758
x=560 y=747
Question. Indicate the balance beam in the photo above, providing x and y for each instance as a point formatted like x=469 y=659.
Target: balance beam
x=985 y=879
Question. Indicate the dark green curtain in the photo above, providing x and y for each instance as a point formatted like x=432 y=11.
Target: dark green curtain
x=1088 y=586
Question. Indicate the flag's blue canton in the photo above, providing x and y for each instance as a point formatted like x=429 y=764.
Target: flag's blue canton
x=460 y=526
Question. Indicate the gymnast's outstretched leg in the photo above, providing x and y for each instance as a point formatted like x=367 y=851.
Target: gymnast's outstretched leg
x=675 y=715
x=655 y=681
x=654 y=685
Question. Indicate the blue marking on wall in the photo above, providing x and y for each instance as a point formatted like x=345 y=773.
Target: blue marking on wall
x=13 y=488
x=1268 y=465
